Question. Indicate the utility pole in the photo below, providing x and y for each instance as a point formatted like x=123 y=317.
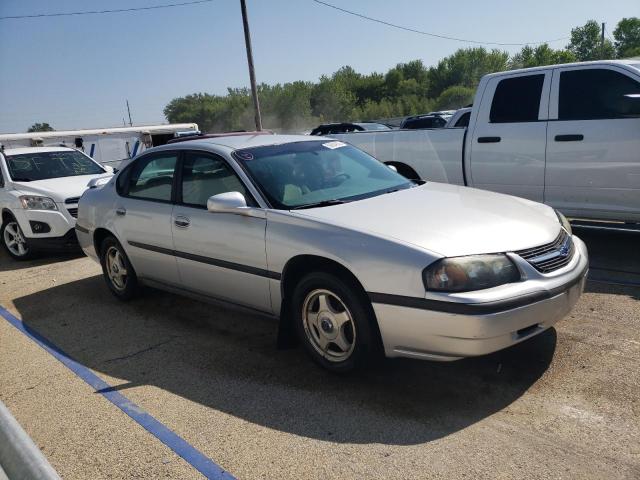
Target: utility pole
x=602 y=42
x=129 y=112
x=252 y=74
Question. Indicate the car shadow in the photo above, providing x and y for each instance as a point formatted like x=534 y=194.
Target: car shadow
x=8 y=264
x=227 y=360
x=614 y=262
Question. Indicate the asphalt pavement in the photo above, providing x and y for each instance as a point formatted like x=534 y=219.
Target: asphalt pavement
x=564 y=404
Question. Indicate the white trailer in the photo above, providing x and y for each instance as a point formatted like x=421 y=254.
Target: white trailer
x=109 y=146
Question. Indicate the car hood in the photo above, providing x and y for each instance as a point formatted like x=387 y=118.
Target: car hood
x=447 y=219
x=58 y=189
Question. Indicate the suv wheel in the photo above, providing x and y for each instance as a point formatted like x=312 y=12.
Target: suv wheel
x=14 y=240
x=117 y=270
x=334 y=322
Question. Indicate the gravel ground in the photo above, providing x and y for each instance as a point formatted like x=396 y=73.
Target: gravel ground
x=565 y=404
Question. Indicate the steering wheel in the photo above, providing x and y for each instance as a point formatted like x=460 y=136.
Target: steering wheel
x=338 y=179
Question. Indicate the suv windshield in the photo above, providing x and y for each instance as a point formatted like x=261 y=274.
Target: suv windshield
x=309 y=174
x=28 y=167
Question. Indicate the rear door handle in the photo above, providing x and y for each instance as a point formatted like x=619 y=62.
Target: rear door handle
x=181 y=221
x=489 y=139
x=121 y=211
x=569 y=138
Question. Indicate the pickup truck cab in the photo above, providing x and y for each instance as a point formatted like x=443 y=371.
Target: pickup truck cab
x=565 y=135
x=39 y=192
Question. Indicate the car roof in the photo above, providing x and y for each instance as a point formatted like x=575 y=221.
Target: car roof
x=21 y=150
x=627 y=61
x=237 y=142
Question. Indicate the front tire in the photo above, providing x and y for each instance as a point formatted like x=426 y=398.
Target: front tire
x=14 y=240
x=334 y=322
x=117 y=269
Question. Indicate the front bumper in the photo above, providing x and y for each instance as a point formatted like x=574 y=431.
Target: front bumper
x=59 y=223
x=469 y=330
x=66 y=243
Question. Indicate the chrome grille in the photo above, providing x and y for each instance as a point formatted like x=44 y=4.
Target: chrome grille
x=73 y=212
x=551 y=256
x=72 y=200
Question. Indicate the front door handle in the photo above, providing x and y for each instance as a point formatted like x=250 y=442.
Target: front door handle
x=569 y=138
x=181 y=221
x=121 y=211
x=489 y=139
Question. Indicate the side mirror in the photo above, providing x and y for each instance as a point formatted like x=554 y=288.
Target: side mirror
x=108 y=168
x=98 y=182
x=228 y=202
x=393 y=167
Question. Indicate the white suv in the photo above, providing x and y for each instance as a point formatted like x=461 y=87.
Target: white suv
x=39 y=192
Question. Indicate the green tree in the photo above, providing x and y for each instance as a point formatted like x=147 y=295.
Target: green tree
x=331 y=101
x=454 y=97
x=40 y=127
x=540 y=56
x=627 y=35
x=586 y=43
x=465 y=67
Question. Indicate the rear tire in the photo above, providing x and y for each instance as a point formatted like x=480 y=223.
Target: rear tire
x=334 y=322
x=14 y=241
x=117 y=269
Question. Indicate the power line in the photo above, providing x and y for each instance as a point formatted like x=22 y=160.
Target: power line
x=94 y=12
x=389 y=24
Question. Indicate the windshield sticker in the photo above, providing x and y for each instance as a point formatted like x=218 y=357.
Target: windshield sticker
x=245 y=155
x=334 y=145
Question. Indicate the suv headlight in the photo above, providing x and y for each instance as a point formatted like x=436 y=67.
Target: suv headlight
x=31 y=202
x=564 y=222
x=465 y=274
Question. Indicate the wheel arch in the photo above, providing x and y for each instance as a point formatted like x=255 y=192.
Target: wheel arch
x=405 y=170
x=98 y=237
x=7 y=214
x=294 y=270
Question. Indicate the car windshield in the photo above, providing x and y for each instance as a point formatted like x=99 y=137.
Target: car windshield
x=317 y=173
x=28 y=167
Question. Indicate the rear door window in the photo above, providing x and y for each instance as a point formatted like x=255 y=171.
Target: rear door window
x=597 y=93
x=152 y=178
x=517 y=99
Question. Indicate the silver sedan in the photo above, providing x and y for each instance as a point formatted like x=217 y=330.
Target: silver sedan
x=352 y=257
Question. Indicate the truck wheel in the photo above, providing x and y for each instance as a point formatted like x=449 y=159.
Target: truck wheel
x=14 y=240
x=333 y=322
x=117 y=270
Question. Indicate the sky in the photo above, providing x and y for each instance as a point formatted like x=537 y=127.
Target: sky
x=76 y=71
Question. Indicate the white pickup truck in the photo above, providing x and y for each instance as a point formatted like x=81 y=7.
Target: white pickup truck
x=565 y=135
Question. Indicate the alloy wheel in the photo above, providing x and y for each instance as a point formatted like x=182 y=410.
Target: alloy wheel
x=329 y=325
x=14 y=239
x=116 y=268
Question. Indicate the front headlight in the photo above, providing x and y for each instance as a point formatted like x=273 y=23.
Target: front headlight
x=31 y=202
x=564 y=222
x=465 y=274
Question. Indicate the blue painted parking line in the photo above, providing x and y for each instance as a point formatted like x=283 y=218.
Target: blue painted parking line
x=194 y=457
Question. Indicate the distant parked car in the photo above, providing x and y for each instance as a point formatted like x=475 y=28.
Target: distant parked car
x=346 y=252
x=346 y=127
x=460 y=118
x=430 y=120
x=39 y=192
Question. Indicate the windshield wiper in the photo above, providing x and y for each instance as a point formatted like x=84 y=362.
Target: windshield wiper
x=20 y=179
x=323 y=203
